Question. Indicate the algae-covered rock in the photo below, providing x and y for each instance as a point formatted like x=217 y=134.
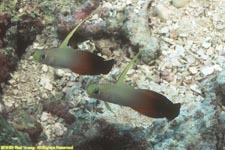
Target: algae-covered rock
x=19 y=25
x=10 y=136
x=60 y=109
x=99 y=134
x=138 y=32
x=220 y=87
x=25 y=123
x=221 y=82
x=7 y=58
x=7 y=65
x=197 y=127
x=4 y=24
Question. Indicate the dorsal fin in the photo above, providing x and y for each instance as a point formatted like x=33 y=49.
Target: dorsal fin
x=123 y=74
x=68 y=37
x=126 y=69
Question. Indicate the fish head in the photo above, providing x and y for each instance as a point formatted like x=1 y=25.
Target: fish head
x=93 y=90
x=40 y=56
x=48 y=57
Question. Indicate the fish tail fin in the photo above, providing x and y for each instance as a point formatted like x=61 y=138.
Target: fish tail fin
x=174 y=111
x=91 y=64
x=154 y=105
x=107 y=66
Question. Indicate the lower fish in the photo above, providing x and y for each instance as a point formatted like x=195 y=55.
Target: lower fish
x=146 y=102
x=80 y=62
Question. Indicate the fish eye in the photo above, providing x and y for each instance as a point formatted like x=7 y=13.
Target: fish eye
x=43 y=56
x=96 y=91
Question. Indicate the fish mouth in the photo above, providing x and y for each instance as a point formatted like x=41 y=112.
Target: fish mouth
x=90 y=88
x=36 y=55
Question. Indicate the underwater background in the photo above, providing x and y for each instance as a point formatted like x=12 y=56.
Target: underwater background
x=182 y=57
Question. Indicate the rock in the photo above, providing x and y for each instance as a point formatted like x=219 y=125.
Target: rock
x=221 y=81
x=201 y=54
x=219 y=48
x=180 y=50
x=140 y=34
x=91 y=100
x=9 y=103
x=12 y=81
x=44 y=116
x=197 y=125
x=165 y=73
x=206 y=44
x=106 y=46
x=175 y=62
x=173 y=34
x=161 y=11
x=164 y=30
x=191 y=59
x=7 y=65
x=44 y=68
x=24 y=122
x=8 y=58
x=100 y=134
x=1 y=108
x=59 y=73
x=60 y=109
x=193 y=70
x=59 y=129
x=15 y=91
x=207 y=70
x=195 y=88
x=150 y=50
x=10 y=136
x=183 y=35
x=179 y=3
x=115 y=71
x=5 y=22
x=24 y=28
x=168 y=78
x=130 y=72
x=220 y=26
x=45 y=82
x=222 y=118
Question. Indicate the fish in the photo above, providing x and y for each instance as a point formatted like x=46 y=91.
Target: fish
x=80 y=62
x=144 y=101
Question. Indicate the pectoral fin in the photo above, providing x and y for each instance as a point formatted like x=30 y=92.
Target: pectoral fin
x=108 y=107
